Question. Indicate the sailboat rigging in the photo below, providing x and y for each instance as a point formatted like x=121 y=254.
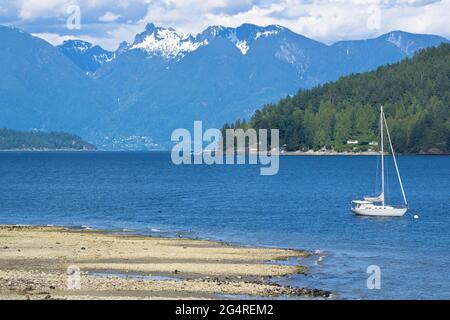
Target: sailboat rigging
x=376 y=206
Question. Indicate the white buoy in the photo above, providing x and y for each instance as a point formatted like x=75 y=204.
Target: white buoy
x=416 y=217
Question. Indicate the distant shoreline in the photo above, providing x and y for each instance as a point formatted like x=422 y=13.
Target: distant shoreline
x=328 y=153
x=286 y=153
x=344 y=154
x=47 y=150
x=15 y=140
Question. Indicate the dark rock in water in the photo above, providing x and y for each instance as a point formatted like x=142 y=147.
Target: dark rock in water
x=316 y=293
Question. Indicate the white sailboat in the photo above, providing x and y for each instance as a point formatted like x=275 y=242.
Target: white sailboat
x=376 y=206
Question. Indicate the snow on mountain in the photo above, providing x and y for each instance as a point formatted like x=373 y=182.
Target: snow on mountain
x=242 y=45
x=403 y=44
x=165 y=42
x=244 y=36
x=77 y=45
x=409 y=43
x=85 y=55
x=171 y=44
x=266 y=34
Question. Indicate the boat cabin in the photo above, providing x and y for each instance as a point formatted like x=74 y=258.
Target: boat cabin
x=359 y=204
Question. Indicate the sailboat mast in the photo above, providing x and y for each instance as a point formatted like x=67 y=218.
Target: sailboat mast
x=395 y=162
x=382 y=155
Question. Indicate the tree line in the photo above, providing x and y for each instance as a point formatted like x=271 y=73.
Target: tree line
x=344 y=115
x=36 y=140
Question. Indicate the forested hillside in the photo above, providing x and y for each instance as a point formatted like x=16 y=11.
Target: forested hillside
x=20 y=140
x=414 y=92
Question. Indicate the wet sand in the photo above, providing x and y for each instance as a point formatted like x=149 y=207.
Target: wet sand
x=34 y=264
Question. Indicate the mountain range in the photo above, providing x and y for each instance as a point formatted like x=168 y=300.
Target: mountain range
x=165 y=79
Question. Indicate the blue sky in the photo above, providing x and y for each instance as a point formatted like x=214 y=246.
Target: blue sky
x=109 y=22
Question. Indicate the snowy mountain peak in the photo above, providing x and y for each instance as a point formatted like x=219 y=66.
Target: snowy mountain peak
x=76 y=45
x=215 y=31
x=251 y=32
x=84 y=54
x=172 y=44
x=150 y=27
x=166 y=42
x=243 y=36
x=266 y=33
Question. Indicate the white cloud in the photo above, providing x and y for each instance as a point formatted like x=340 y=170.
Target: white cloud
x=109 y=17
x=53 y=38
x=56 y=39
x=32 y=9
x=323 y=20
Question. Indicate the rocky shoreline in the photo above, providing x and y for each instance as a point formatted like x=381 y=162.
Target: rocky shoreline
x=35 y=264
x=362 y=153
x=329 y=153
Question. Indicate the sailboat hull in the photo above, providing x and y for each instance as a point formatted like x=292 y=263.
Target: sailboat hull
x=380 y=212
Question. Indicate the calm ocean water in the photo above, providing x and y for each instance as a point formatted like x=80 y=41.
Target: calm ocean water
x=305 y=206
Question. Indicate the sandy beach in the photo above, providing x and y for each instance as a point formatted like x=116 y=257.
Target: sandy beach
x=34 y=264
